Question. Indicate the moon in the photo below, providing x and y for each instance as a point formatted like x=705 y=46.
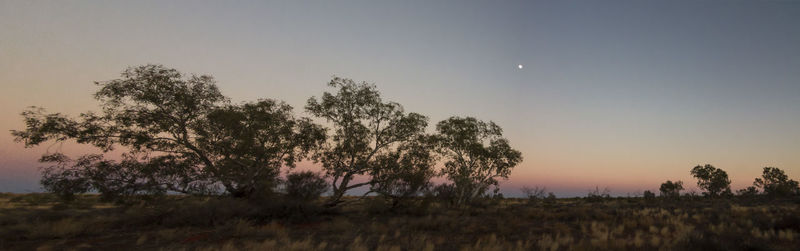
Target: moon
x=519 y=66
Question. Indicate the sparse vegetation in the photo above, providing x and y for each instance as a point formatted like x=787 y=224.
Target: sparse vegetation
x=34 y=221
x=181 y=136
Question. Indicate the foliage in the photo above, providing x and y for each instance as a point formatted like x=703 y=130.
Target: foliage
x=712 y=180
x=774 y=182
x=306 y=185
x=671 y=189
x=181 y=136
x=364 y=128
x=476 y=155
x=748 y=191
x=405 y=172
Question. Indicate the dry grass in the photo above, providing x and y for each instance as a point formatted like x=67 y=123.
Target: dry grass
x=30 y=222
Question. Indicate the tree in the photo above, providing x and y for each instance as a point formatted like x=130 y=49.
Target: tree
x=775 y=182
x=671 y=189
x=406 y=172
x=476 y=155
x=181 y=134
x=714 y=181
x=364 y=127
x=249 y=143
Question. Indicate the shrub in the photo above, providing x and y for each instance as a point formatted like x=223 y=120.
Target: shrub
x=445 y=193
x=649 y=195
x=598 y=195
x=534 y=194
x=550 y=199
x=305 y=186
x=748 y=191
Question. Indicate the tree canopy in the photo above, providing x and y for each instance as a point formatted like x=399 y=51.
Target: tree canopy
x=476 y=155
x=775 y=182
x=364 y=127
x=181 y=134
x=712 y=180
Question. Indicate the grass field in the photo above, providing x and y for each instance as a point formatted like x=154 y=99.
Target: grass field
x=41 y=222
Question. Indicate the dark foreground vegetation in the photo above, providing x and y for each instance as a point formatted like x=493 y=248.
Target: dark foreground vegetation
x=41 y=221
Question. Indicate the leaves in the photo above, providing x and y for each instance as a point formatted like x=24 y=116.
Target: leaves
x=714 y=181
x=476 y=153
x=182 y=135
x=364 y=127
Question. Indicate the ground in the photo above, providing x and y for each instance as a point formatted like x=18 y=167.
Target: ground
x=41 y=222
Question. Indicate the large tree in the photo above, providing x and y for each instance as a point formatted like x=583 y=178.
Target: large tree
x=712 y=180
x=181 y=133
x=775 y=182
x=364 y=127
x=477 y=155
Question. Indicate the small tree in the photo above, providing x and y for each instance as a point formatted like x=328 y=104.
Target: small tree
x=775 y=182
x=477 y=155
x=671 y=189
x=712 y=180
x=364 y=127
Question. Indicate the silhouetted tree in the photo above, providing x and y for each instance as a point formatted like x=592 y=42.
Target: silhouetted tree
x=671 y=189
x=364 y=128
x=306 y=185
x=775 y=182
x=748 y=191
x=476 y=154
x=712 y=180
x=181 y=133
x=405 y=172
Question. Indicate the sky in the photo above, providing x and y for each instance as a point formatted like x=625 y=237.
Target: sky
x=616 y=94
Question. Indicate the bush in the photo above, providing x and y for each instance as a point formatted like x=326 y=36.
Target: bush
x=534 y=194
x=671 y=189
x=445 y=193
x=305 y=186
x=748 y=191
x=550 y=199
x=598 y=195
x=649 y=195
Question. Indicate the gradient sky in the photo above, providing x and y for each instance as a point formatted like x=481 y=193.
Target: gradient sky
x=617 y=94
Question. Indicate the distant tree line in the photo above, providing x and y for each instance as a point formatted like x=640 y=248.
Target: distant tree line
x=714 y=182
x=179 y=134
